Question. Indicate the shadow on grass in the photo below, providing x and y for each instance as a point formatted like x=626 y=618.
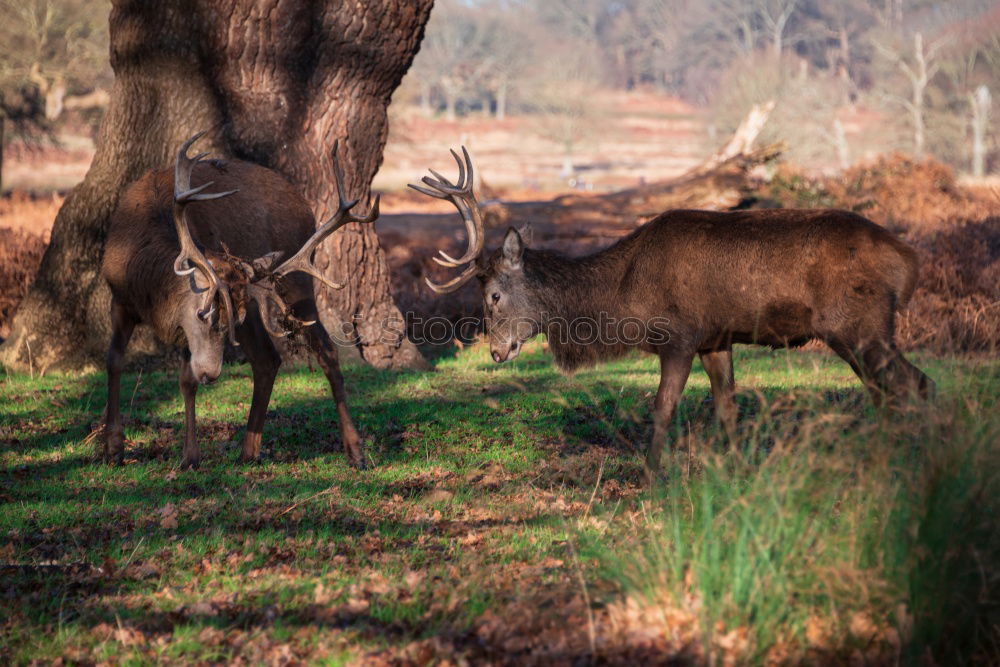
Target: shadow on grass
x=91 y=518
x=577 y=416
x=584 y=414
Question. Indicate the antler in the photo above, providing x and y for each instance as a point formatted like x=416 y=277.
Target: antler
x=462 y=196
x=265 y=294
x=301 y=261
x=190 y=257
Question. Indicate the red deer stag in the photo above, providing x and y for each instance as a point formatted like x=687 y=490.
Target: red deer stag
x=695 y=282
x=200 y=269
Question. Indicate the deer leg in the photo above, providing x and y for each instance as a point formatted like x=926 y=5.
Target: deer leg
x=190 y=455
x=326 y=353
x=675 y=366
x=910 y=376
x=855 y=359
x=893 y=377
x=719 y=367
x=122 y=326
x=878 y=367
x=264 y=361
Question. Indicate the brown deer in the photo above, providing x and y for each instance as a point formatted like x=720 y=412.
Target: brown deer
x=693 y=283
x=200 y=269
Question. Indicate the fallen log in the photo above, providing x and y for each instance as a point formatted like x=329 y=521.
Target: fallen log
x=723 y=181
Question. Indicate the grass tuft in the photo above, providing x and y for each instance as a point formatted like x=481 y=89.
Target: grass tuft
x=820 y=536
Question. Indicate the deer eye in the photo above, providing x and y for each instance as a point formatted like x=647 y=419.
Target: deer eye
x=495 y=297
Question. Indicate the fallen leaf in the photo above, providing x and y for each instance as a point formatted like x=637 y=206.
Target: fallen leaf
x=146 y=571
x=862 y=626
x=201 y=609
x=129 y=636
x=439 y=496
x=168 y=517
x=413 y=578
x=321 y=594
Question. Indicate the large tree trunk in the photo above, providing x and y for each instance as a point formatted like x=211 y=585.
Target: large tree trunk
x=273 y=81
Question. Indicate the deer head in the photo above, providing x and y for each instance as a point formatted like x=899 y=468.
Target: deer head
x=511 y=309
x=257 y=279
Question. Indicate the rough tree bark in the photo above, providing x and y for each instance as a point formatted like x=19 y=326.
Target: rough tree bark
x=275 y=82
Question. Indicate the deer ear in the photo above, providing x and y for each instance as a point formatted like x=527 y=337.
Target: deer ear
x=513 y=248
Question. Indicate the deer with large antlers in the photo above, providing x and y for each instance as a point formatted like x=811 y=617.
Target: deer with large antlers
x=232 y=264
x=693 y=283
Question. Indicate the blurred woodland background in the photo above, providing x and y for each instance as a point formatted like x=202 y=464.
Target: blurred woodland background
x=850 y=79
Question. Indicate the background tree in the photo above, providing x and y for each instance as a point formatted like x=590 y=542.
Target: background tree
x=274 y=82
x=454 y=56
x=776 y=17
x=981 y=104
x=511 y=42
x=919 y=63
x=969 y=66
x=53 y=56
x=566 y=109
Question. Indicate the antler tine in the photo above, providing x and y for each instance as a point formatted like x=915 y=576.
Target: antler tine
x=461 y=169
x=373 y=209
x=427 y=191
x=338 y=173
x=468 y=164
x=300 y=261
x=463 y=197
x=264 y=296
x=190 y=258
x=444 y=185
x=183 y=192
x=473 y=231
x=454 y=283
x=441 y=180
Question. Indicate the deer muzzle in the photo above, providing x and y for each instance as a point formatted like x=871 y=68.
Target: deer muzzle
x=505 y=352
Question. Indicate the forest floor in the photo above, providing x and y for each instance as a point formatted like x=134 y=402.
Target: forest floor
x=502 y=519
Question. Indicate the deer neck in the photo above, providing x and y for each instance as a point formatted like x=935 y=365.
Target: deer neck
x=579 y=305
x=572 y=287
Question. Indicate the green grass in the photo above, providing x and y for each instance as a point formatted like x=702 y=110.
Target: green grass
x=503 y=504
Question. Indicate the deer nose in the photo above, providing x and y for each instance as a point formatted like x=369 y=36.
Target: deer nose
x=206 y=379
x=496 y=357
